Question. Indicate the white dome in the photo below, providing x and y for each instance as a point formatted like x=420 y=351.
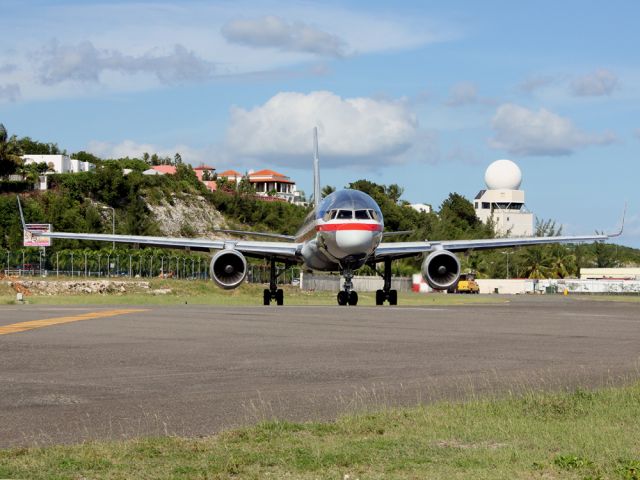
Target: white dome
x=503 y=175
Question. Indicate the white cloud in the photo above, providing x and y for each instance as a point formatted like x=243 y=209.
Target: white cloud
x=463 y=93
x=537 y=82
x=521 y=131
x=273 y=32
x=85 y=63
x=108 y=41
x=599 y=83
x=131 y=149
x=9 y=92
x=466 y=93
x=8 y=68
x=354 y=130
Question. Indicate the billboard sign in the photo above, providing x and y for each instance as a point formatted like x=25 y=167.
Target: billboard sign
x=31 y=240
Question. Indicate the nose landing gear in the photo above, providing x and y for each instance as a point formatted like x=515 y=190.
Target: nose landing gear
x=347 y=296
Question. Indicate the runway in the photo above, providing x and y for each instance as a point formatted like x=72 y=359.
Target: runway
x=126 y=371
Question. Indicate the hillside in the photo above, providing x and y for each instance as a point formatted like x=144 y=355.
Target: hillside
x=180 y=205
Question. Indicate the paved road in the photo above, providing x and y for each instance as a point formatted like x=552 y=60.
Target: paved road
x=105 y=372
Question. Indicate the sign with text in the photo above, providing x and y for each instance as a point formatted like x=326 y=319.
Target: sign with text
x=31 y=239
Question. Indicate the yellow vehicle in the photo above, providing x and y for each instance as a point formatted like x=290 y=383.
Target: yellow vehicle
x=466 y=284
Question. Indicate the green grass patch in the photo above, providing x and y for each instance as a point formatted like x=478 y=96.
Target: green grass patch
x=201 y=292
x=570 y=435
x=609 y=298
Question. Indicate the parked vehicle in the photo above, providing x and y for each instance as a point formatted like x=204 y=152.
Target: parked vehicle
x=466 y=284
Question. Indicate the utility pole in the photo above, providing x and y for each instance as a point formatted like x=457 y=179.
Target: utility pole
x=507 y=253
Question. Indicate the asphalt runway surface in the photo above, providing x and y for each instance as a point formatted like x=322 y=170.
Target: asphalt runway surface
x=70 y=374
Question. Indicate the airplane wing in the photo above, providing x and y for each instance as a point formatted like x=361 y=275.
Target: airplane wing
x=407 y=249
x=396 y=250
x=280 y=250
x=283 y=251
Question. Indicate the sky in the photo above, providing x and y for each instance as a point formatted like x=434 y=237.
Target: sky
x=423 y=94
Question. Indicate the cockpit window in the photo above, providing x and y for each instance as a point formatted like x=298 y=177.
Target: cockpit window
x=373 y=214
x=330 y=215
x=362 y=215
x=345 y=214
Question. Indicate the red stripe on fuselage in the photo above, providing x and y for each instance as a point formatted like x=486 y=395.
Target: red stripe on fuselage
x=334 y=227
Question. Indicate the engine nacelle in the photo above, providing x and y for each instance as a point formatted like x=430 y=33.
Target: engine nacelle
x=441 y=269
x=228 y=268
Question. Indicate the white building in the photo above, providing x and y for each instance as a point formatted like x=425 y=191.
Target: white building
x=59 y=163
x=421 y=207
x=503 y=201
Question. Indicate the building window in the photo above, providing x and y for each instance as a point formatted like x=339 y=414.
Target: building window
x=485 y=205
x=477 y=205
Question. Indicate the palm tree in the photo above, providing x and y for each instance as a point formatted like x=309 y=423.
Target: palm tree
x=562 y=261
x=536 y=263
x=9 y=153
x=327 y=190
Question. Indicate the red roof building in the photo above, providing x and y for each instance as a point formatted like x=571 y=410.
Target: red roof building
x=265 y=181
x=164 y=169
x=231 y=175
x=204 y=171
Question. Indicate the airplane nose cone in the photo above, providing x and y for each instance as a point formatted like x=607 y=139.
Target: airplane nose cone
x=352 y=242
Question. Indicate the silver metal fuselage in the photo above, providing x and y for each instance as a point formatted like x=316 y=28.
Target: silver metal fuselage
x=343 y=232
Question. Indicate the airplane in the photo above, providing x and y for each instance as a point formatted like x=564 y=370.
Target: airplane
x=343 y=232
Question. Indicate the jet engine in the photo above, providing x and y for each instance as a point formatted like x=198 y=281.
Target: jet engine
x=228 y=268
x=441 y=269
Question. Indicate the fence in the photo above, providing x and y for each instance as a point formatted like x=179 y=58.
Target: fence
x=30 y=262
x=310 y=281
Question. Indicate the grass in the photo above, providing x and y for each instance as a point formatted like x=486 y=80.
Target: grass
x=611 y=298
x=201 y=292
x=570 y=435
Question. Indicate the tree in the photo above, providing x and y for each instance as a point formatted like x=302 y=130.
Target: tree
x=245 y=187
x=9 y=153
x=394 y=192
x=537 y=263
x=34 y=147
x=547 y=228
x=177 y=159
x=327 y=190
x=86 y=157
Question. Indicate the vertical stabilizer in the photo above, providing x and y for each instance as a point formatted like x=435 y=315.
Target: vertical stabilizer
x=316 y=169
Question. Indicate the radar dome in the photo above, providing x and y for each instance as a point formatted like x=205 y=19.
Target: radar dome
x=503 y=175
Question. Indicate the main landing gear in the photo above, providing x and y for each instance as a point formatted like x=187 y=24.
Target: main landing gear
x=386 y=293
x=347 y=296
x=273 y=292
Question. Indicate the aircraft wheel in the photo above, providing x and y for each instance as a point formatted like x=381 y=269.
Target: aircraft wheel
x=279 y=297
x=266 y=297
x=342 y=297
x=393 y=297
x=379 y=297
x=353 y=298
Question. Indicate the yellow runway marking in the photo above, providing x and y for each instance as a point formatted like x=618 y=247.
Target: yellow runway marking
x=47 y=322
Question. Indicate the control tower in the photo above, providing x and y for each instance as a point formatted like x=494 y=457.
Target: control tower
x=503 y=201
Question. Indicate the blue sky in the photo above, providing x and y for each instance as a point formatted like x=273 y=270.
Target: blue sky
x=423 y=94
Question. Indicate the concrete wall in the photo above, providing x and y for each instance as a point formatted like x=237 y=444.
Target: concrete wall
x=594 y=286
x=511 y=286
x=322 y=282
x=609 y=273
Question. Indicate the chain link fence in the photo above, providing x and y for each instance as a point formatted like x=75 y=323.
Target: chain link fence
x=138 y=264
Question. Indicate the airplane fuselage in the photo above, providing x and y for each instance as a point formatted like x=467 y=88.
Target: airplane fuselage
x=343 y=232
